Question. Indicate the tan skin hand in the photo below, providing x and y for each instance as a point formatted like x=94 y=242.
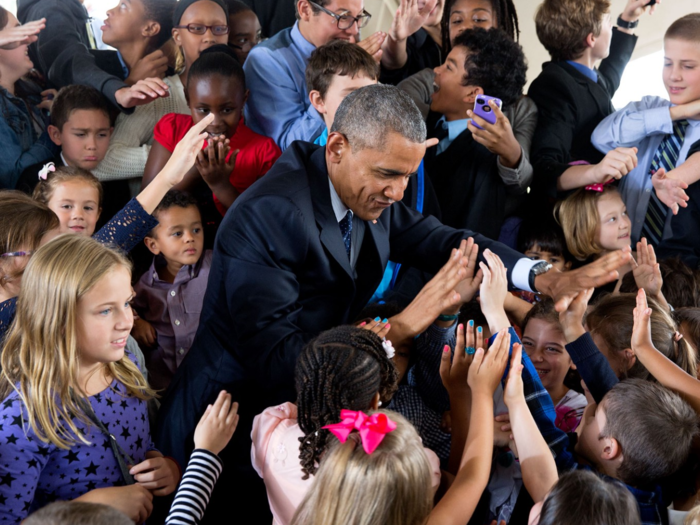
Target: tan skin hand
x=153 y=65
x=217 y=425
x=13 y=37
x=142 y=92
x=669 y=190
x=373 y=45
x=144 y=333
x=133 y=500
x=498 y=138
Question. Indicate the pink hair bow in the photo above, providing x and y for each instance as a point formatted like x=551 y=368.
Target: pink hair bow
x=372 y=429
x=48 y=168
x=598 y=186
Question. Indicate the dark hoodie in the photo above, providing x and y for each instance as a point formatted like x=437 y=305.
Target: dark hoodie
x=63 y=53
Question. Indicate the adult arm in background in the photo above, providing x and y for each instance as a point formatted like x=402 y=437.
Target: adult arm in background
x=276 y=107
x=416 y=240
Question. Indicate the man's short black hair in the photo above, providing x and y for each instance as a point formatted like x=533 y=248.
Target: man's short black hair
x=494 y=62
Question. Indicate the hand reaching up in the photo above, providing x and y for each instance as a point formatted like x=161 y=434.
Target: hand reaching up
x=646 y=271
x=409 y=18
x=217 y=425
x=487 y=369
x=670 y=191
x=468 y=287
x=571 y=319
x=493 y=290
x=13 y=37
x=186 y=151
x=641 y=330
x=454 y=375
x=373 y=45
x=514 y=391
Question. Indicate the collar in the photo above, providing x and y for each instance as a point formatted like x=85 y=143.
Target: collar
x=304 y=45
x=63 y=159
x=339 y=209
x=584 y=70
x=125 y=69
x=186 y=273
x=322 y=139
x=456 y=127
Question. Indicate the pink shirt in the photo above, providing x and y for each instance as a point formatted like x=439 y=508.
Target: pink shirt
x=275 y=456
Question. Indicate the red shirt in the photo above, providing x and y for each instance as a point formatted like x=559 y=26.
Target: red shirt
x=256 y=156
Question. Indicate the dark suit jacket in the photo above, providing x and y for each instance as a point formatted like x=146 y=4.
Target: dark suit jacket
x=570 y=105
x=279 y=276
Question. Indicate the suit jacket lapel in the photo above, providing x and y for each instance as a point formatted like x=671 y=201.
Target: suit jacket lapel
x=331 y=238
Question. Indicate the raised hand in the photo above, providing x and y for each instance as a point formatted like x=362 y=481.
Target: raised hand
x=212 y=164
x=514 y=391
x=377 y=325
x=493 y=290
x=186 y=151
x=641 y=330
x=488 y=366
x=635 y=8
x=217 y=425
x=571 y=319
x=454 y=375
x=142 y=92
x=670 y=191
x=468 y=287
x=373 y=45
x=498 y=138
x=13 y=37
x=646 y=271
x=409 y=18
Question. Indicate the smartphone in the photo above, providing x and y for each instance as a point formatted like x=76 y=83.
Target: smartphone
x=482 y=108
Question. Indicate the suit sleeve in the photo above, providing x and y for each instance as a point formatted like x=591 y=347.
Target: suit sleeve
x=275 y=108
x=425 y=243
x=65 y=59
x=554 y=135
x=612 y=68
x=261 y=263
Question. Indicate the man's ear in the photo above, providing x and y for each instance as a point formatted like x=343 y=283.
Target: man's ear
x=304 y=10
x=152 y=245
x=54 y=134
x=590 y=40
x=317 y=101
x=151 y=29
x=471 y=94
x=336 y=147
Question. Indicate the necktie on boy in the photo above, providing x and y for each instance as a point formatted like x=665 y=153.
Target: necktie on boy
x=346 y=230
x=666 y=157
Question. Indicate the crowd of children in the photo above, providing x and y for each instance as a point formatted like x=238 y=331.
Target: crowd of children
x=448 y=398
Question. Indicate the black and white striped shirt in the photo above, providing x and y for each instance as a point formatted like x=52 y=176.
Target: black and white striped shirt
x=192 y=497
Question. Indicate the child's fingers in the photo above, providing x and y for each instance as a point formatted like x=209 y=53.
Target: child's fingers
x=445 y=364
x=232 y=414
x=470 y=339
x=384 y=330
x=479 y=337
x=516 y=358
x=224 y=407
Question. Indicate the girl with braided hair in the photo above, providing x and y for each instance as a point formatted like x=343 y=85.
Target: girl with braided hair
x=343 y=368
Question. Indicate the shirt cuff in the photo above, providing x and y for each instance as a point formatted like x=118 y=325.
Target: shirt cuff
x=658 y=120
x=508 y=175
x=520 y=275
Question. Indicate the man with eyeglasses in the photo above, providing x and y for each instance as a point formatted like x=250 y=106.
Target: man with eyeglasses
x=278 y=105
x=66 y=54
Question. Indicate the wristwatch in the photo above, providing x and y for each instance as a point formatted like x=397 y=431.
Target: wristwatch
x=537 y=269
x=625 y=24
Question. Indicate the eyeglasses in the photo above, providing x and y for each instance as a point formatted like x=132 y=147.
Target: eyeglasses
x=200 y=29
x=16 y=254
x=345 y=21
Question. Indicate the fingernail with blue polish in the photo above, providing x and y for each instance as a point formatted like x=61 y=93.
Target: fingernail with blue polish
x=471 y=324
x=377 y=319
x=479 y=329
x=385 y=320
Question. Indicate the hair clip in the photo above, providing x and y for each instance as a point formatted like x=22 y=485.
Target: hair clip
x=598 y=186
x=372 y=429
x=388 y=348
x=48 y=168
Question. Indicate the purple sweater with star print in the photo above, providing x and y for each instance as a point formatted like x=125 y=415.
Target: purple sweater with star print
x=34 y=473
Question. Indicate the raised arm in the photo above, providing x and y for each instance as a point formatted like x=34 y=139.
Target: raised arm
x=662 y=368
x=536 y=461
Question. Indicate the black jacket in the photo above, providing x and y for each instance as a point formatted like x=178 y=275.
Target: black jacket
x=421 y=51
x=63 y=52
x=570 y=105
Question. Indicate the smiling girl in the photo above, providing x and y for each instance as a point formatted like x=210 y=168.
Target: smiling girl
x=23 y=112
x=234 y=156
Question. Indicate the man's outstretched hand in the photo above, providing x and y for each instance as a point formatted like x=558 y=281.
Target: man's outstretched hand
x=564 y=286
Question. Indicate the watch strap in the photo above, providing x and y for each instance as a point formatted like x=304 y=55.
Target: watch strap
x=625 y=24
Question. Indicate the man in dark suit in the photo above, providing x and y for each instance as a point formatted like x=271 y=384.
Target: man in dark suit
x=302 y=251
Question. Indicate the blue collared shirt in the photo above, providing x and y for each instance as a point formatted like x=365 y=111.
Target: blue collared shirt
x=642 y=124
x=454 y=129
x=585 y=70
x=125 y=69
x=278 y=105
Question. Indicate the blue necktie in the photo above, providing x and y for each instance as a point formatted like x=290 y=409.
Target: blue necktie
x=666 y=157
x=346 y=229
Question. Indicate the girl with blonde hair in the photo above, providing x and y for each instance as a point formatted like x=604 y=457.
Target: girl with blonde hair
x=74 y=412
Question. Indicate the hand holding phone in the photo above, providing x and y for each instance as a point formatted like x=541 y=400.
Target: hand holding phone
x=483 y=109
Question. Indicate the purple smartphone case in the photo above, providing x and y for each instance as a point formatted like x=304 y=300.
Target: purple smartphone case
x=482 y=108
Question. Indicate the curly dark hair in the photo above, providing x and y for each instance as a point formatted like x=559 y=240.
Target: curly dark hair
x=494 y=62
x=506 y=16
x=343 y=367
